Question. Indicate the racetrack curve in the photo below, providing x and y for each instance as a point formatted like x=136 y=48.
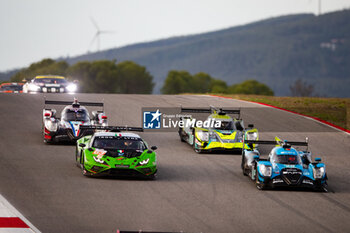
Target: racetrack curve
x=193 y=192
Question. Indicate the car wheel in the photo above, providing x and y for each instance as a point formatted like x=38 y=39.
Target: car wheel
x=43 y=130
x=245 y=173
x=198 y=151
x=77 y=157
x=82 y=166
x=85 y=172
x=321 y=188
x=152 y=177
x=48 y=141
x=180 y=134
x=259 y=185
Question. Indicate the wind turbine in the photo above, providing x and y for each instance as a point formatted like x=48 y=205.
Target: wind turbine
x=97 y=34
x=319 y=7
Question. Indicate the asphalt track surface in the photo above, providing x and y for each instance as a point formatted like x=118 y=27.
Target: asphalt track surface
x=193 y=192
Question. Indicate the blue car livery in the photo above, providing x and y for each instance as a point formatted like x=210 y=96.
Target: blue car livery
x=285 y=166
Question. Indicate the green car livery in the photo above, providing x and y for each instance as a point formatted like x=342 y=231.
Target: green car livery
x=116 y=154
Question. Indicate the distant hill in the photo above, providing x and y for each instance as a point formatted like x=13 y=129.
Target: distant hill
x=275 y=51
x=6 y=75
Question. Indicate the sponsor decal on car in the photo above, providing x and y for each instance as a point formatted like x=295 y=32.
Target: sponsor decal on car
x=99 y=153
x=308 y=182
x=275 y=181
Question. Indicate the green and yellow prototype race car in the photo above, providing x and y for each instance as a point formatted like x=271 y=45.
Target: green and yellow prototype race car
x=219 y=132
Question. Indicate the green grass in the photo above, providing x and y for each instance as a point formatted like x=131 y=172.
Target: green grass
x=333 y=110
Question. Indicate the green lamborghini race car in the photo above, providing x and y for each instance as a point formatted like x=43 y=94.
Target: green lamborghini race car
x=219 y=132
x=115 y=153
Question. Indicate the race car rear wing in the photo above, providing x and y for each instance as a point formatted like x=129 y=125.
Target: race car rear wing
x=54 y=102
x=276 y=142
x=196 y=110
x=111 y=128
x=212 y=109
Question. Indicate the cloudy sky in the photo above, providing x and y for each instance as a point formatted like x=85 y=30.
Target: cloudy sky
x=36 y=29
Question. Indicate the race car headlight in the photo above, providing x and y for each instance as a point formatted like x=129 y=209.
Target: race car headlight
x=144 y=162
x=51 y=126
x=71 y=87
x=319 y=172
x=33 y=87
x=98 y=160
x=265 y=170
x=252 y=136
x=203 y=136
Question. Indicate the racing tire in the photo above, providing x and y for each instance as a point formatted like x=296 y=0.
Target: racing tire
x=46 y=141
x=180 y=134
x=49 y=141
x=244 y=171
x=321 y=188
x=198 y=151
x=259 y=185
x=83 y=170
x=182 y=140
x=77 y=157
x=152 y=177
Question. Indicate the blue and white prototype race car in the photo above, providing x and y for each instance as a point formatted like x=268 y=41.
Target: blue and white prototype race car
x=285 y=166
x=74 y=115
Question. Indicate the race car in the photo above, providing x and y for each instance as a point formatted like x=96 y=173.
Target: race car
x=11 y=88
x=49 y=84
x=73 y=116
x=227 y=135
x=285 y=166
x=115 y=153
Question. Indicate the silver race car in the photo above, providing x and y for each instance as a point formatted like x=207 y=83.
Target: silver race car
x=67 y=127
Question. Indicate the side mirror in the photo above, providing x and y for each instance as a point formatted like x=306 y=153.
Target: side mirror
x=150 y=151
x=318 y=160
x=250 y=125
x=82 y=145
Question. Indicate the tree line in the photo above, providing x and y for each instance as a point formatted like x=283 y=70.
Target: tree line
x=183 y=82
x=127 y=77
x=102 y=76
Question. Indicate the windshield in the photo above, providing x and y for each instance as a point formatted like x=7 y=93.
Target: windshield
x=75 y=115
x=119 y=143
x=50 y=80
x=11 y=88
x=286 y=159
x=225 y=125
